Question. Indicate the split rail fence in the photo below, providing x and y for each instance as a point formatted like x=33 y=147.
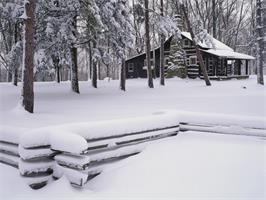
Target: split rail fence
x=38 y=164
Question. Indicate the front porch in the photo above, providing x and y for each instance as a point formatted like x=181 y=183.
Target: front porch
x=226 y=65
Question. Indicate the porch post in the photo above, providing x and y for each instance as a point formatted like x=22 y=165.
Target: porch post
x=247 y=67
x=226 y=62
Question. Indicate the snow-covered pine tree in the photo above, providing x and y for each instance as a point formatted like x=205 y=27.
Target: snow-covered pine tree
x=91 y=33
x=177 y=60
x=116 y=19
x=57 y=38
x=10 y=43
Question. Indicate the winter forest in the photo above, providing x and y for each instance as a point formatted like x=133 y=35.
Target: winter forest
x=133 y=99
x=81 y=40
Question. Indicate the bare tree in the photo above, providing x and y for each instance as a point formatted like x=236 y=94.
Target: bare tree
x=148 y=45
x=162 y=39
x=28 y=51
x=74 y=66
x=199 y=56
x=260 y=43
x=123 y=75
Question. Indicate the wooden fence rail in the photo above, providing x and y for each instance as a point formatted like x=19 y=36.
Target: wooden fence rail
x=38 y=163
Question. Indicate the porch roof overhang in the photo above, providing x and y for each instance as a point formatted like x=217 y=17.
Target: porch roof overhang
x=229 y=54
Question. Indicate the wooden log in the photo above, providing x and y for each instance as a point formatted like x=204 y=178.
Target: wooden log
x=132 y=133
x=222 y=129
x=97 y=158
x=131 y=139
x=11 y=160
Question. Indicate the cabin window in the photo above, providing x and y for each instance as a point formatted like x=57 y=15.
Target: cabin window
x=193 y=60
x=130 y=67
x=186 y=43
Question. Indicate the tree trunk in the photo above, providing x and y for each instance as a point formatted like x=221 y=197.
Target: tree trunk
x=123 y=75
x=90 y=60
x=15 y=70
x=148 y=45
x=94 y=68
x=199 y=56
x=74 y=70
x=58 y=74
x=99 y=70
x=162 y=63
x=74 y=66
x=214 y=19
x=28 y=51
x=260 y=44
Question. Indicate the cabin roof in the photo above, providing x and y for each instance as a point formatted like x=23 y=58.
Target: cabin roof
x=156 y=48
x=218 y=44
x=229 y=54
x=220 y=49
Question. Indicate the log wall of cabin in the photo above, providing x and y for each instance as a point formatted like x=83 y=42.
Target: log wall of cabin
x=139 y=62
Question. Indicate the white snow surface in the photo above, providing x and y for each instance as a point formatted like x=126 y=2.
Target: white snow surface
x=188 y=166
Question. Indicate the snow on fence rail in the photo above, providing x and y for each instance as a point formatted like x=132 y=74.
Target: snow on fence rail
x=81 y=151
x=223 y=124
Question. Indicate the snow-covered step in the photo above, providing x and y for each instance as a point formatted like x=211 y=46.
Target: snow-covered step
x=131 y=139
x=97 y=158
x=9 y=159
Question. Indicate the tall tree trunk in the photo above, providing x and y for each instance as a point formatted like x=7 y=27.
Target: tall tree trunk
x=108 y=65
x=99 y=70
x=123 y=75
x=148 y=45
x=214 y=19
x=15 y=70
x=74 y=66
x=74 y=70
x=260 y=44
x=162 y=63
x=58 y=74
x=199 y=56
x=90 y=60
x=154 y=43
x=28 y=51
x=94 y=67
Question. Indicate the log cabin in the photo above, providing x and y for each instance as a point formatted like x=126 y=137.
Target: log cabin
x=221 y=61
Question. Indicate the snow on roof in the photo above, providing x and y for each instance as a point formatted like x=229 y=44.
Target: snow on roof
x=217 y=43
x=229 y=54
x=221 y=49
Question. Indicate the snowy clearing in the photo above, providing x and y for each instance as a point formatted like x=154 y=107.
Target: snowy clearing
x=56 y=104
x=192 y=165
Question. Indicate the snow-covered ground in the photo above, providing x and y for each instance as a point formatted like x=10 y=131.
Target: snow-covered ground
x=189 y=166
x=56 y=104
